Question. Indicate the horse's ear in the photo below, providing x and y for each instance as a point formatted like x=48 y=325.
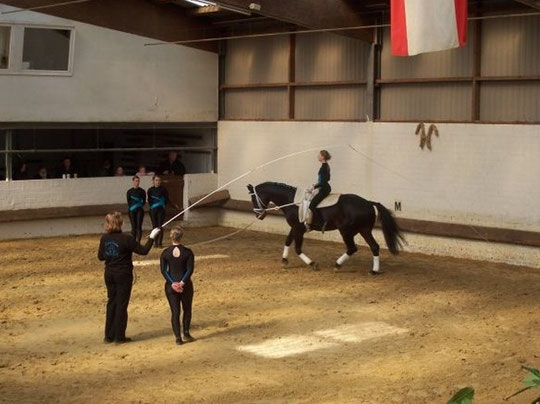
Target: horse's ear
x=250 y=187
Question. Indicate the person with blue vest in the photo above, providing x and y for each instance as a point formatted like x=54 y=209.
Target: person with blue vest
x=158 y=198
x=136 y=199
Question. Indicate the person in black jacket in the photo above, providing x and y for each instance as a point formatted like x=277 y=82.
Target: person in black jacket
x=158 y=198
x=67 y=170
x=116 y=249
x=322 y=185
x=136 y=198
x=177 y=265
x=172 y=166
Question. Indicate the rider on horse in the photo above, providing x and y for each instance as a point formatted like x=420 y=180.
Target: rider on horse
x=322 y=185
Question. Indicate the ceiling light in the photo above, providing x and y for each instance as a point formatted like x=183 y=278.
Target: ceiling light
x=201 y=3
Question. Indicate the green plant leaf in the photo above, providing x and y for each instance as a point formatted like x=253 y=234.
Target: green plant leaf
x=464 y=396
x=532 y=381
x=534 y=371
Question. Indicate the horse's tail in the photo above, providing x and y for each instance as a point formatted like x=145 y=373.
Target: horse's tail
x=392 y=233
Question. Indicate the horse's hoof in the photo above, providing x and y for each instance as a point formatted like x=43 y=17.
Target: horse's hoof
x=372 y=272
x=314 y=266
x=284 y=263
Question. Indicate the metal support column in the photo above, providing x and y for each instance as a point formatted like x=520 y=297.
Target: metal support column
x=8 y=157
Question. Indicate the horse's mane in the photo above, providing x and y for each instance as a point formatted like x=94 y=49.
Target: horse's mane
x=279 y=184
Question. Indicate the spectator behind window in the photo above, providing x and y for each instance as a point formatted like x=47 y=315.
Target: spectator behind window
x=68 y=170
x=172 y=166
x=42 y=173
x=22 y=172
x=141 y=172
x=106 y=169
x=119 y=172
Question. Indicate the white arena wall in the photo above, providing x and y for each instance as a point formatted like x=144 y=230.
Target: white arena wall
x=58 y=193
x=478 y=175
x=115 y=79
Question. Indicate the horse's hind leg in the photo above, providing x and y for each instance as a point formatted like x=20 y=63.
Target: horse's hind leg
x=288 y=242
x=348 y=239
x=374 y=246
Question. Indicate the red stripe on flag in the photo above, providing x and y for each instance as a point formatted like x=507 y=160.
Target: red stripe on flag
x=398 y=28
x=461 y=20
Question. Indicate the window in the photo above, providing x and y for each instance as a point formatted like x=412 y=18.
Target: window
x=5 y=34
x=98 y=151
x=36 y=50
x=46 y=49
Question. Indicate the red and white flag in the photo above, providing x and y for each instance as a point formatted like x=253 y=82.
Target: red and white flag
x=420 y=26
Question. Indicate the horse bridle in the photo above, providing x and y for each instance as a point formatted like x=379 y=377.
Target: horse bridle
x=261 y=207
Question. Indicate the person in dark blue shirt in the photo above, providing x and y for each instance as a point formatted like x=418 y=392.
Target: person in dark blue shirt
x=177 y=264
x=172 y=166
x=158 y=198
x=323 y=185
x=116 y=249
x=136 y=198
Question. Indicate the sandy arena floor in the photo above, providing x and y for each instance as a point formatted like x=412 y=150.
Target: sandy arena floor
x=425 y=328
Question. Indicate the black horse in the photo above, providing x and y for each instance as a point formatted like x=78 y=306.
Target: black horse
x=350 y=215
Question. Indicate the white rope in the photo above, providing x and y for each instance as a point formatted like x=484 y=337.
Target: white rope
x=242 y=229
x=247 y=173
x=66 y=3
x=225 y=236
x=282 y=206
x=311 y=31
x=373 y=161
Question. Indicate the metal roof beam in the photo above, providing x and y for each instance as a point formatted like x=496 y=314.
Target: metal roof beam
x=310 y=14
x=531 y=3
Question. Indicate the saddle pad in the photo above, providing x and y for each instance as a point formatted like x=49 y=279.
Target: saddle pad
x=330 y=200
x=304 y=200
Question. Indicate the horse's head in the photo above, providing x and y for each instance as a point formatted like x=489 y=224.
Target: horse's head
x=259 y=201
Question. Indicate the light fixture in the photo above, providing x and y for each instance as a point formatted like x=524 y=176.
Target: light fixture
x=204 y=3
x=201 y=3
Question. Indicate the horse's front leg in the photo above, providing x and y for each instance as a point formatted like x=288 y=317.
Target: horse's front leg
x=348 y=239
x=298 y=241
x=288 y=242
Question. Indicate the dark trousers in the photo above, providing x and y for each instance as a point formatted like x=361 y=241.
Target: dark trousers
x=158 y=218
x=324 y=191
x=185 y=300
x=136 y=218
x=118 y=292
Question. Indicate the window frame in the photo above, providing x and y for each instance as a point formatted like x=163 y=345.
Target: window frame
x=10 y=43
x=17 y=31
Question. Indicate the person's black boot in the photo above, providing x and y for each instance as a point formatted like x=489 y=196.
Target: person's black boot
x=188 y=337
x=179 y=341
x=123 y=340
